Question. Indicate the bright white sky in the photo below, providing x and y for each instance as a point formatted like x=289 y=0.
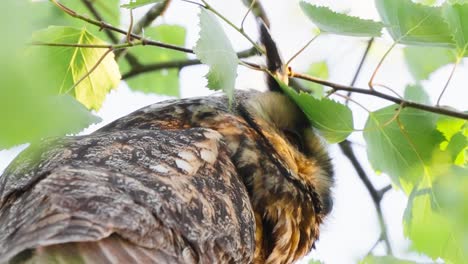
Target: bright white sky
x=352 y=228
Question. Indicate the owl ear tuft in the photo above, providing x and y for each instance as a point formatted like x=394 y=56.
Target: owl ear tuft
x=273 y=59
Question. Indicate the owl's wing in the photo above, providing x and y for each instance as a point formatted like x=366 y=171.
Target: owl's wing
x=136 y=196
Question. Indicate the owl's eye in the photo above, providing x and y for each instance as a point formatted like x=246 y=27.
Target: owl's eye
x=295 y=139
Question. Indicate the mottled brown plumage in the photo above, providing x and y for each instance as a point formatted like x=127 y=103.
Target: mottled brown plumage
x=182 y=181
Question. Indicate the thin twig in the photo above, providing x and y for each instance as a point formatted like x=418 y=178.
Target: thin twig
x=347 y=150
x=302 y=49
x=371 y=80
x=258 y=11
x=105 y=25
x=359 y=68
x=246 y=14
x=448 y=81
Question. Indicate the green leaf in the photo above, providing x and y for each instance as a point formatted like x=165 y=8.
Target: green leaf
x=29 y=108
x=421 y=65
x=435 y=218
x=138 y=3
x=401 y=146
x=165 y=81
x=214 y=49
x=320 y=70
x=416 y=93
x=47 y=14
x=457 y=18
x=384 y=260
x=332 y=22
x=70 y=64
x=333 y=120
x=416 y=24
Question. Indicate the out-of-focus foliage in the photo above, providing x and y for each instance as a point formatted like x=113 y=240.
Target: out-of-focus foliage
x=30 y=108
x=165 y=81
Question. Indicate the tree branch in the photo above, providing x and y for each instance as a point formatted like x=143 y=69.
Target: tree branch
x=396 y=100
x=376 y=196
x=178 y=64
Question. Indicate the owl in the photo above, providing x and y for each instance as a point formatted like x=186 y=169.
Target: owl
x=198 y=180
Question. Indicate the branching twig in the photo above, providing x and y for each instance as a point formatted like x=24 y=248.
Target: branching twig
x=376 y=196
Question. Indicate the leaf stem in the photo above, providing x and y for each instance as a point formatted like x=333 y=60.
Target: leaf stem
x=371 y=80
x=361 y=64
x=448 y=80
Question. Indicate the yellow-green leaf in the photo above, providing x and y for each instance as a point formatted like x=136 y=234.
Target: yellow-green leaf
x=73 y=64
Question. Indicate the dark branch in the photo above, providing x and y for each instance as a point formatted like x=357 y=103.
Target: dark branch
x=376 y=196
x=396 y=100
x=178 y=64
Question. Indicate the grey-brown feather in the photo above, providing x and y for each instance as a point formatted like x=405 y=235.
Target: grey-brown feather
x=129 y=183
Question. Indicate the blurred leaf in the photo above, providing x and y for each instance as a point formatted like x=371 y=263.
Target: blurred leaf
x=384 y=260
x=138 y=3
x=416 y=93
x=435 y=218
x=329 y=21
x=214 y=49
x=313 y=261
x=70 y=64
x=403 y=146
x=47 y=14
x=320 y=70
x=456 y=138
x=422 y=61
x=412 y=23
x=29 y=108
x=456 y=17
x=333 y=120
x=164 y=81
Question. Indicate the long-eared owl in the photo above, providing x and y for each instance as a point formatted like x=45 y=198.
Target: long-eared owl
x=182 y=181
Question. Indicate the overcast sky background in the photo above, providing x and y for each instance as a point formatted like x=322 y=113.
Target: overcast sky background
x=352 y=228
